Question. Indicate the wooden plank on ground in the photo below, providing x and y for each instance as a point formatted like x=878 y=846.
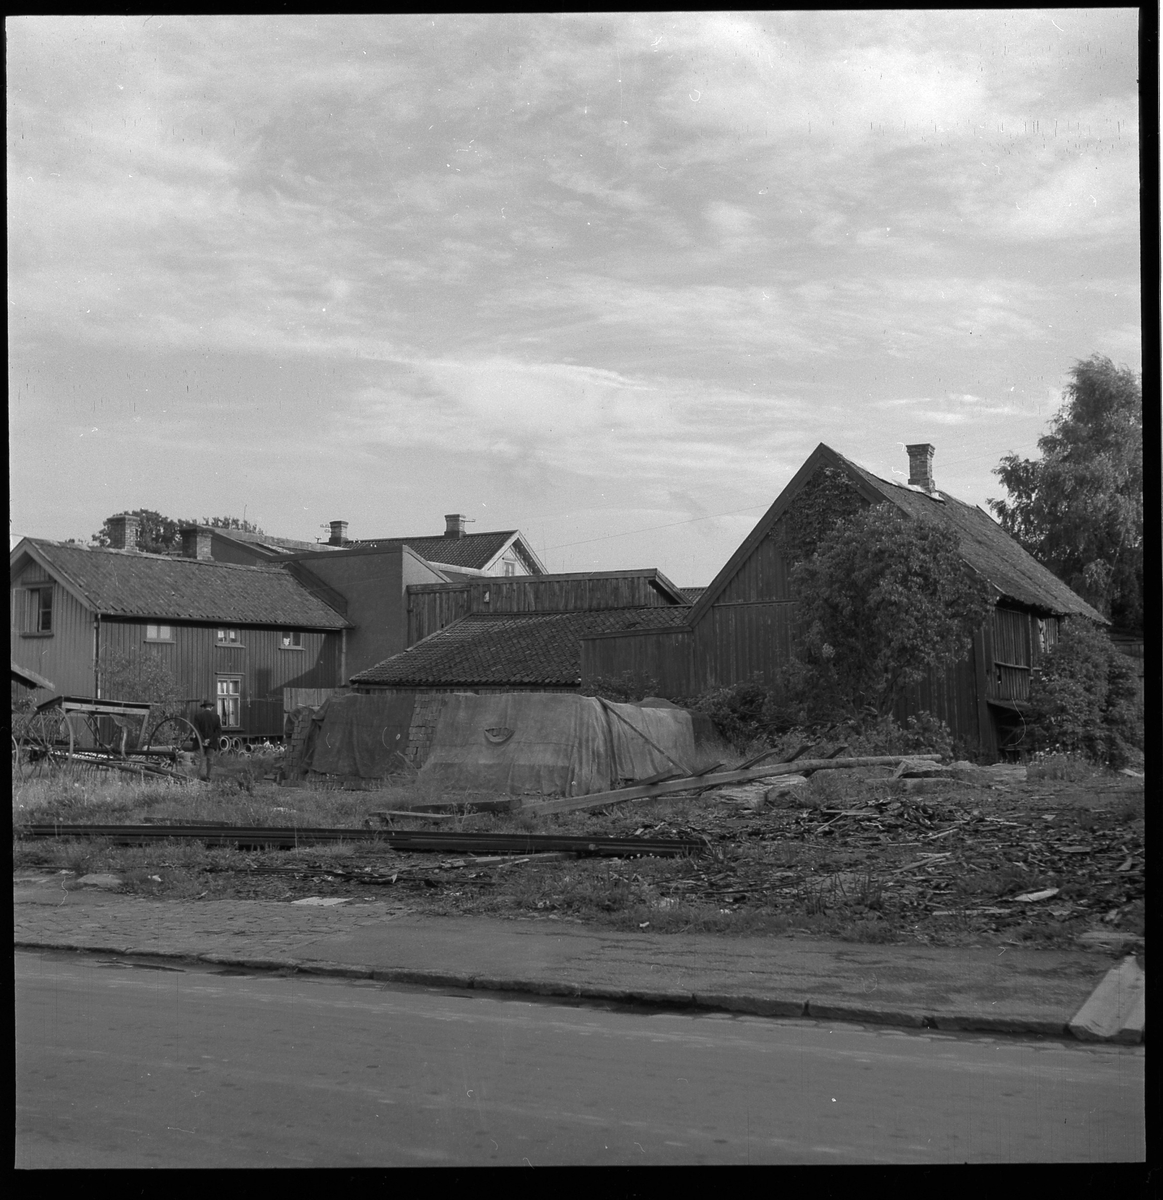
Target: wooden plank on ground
x=604 y=799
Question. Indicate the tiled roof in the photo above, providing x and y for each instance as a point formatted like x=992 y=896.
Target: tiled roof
x=474 y=550
x=498 y=649
x=986 y=547
x=129 y=584
x=693 y=593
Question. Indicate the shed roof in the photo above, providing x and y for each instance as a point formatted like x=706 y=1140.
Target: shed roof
x=29 y=678
x=125 y=583
x=984 y=545
x=503 y=649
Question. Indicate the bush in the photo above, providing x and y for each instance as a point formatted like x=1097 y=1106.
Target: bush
x=1084 y=700
x=921 y=734
x=742 y=713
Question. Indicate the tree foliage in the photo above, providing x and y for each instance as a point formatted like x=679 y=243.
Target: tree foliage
x=159 y=534
x=238 y=523
x=142 y=677
x=1078 y=509
x=1085 y=698
x=829 y=497
x=882 y=601
x=156 y=534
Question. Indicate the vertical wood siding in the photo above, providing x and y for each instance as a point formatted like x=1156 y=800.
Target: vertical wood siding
x=763 y=576
x=196 y=661
x=432 y=607
x=661 y=655
x=66 y=655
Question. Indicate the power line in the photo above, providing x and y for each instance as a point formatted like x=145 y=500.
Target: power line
x=653 y=528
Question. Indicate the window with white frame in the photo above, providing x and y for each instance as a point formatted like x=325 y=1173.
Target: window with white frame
x=291 y=639
x=230 y=701
x=227 y=637
x=159 y=633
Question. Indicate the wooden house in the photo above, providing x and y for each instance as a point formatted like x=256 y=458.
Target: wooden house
x=740 y=626
x=501 y=552
x=236 y=634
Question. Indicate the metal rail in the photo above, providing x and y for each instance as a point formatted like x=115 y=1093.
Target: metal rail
x=215 y=834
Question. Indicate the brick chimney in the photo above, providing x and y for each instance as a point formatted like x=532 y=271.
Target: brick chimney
x=454 y=525
x=123 y=531
x=195 y=542
x=921 y=466
x=338 y=534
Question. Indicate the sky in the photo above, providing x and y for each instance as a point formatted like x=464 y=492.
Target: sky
x=606 y=279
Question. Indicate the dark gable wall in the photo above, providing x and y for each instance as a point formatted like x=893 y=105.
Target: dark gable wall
x=374 y=584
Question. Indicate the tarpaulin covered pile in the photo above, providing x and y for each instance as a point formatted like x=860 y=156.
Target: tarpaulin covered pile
x=542 y=743
x=362 y=736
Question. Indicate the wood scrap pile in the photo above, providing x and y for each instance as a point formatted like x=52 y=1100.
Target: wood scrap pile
x=1002 y=864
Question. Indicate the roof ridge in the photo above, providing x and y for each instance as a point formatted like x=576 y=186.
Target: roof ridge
x=149 y=556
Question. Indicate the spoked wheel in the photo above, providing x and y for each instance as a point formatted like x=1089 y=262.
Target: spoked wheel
x=173 y=740
x=46 y=744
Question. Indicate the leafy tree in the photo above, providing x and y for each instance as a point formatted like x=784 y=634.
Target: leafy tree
x=1078 y=509
x=881 y=601
x=142 y=677
x=156 y=534
x=238 y=523
x=1085 y=698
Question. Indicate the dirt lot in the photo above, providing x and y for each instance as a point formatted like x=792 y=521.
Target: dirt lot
x=850 y=854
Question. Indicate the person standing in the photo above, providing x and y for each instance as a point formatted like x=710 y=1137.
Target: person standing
x=209 y=727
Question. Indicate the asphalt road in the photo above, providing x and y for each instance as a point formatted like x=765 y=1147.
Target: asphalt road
x=124 y=1066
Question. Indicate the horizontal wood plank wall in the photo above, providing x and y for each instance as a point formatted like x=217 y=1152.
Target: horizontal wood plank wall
x=196 y=660
x=661 y=655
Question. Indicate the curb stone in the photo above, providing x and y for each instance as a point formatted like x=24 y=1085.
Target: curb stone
x=707 y=1001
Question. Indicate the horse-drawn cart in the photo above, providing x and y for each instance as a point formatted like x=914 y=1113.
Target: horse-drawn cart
x=79 y=733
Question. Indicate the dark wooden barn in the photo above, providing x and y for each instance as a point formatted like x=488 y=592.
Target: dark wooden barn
x=740 y=627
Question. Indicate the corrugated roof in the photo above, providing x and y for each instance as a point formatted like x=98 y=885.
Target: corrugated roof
x=499 y=649
x=128 y=584
x=475 y=550
x=985 y=546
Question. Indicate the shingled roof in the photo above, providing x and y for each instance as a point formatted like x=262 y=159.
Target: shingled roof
x=124 y=583
x=472 y=550
x=983 y=544
x=507 y=649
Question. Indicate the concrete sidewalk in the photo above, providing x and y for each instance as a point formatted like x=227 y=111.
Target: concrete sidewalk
x=1001 y=989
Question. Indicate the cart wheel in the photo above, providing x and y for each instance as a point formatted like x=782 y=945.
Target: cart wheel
x=174 y=736
x=49 y=743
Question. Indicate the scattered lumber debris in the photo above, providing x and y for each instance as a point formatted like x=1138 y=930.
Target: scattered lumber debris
x=640 y=792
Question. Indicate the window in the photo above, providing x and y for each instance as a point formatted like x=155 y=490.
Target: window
x=159 y=633
x=39 y=611
x=291 y=639
x=230 y=701
x=226 y=637
x=509 y=567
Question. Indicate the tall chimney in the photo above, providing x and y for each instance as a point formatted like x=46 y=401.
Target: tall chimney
x=123 y=531
x=454 y=525
x=921 y=466
x=196 y=542
x=338 y=534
